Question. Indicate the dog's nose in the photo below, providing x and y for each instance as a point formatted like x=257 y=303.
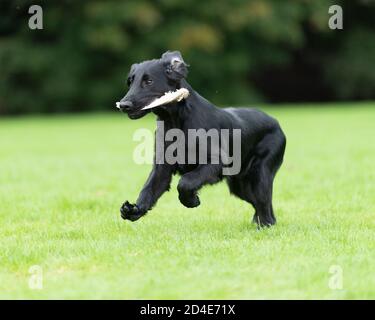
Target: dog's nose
x=125 y=105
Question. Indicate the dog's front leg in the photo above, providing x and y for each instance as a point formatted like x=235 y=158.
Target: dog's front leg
x=192 y=181
x=157 y=183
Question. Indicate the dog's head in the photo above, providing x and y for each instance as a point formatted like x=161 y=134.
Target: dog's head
x=150 y=80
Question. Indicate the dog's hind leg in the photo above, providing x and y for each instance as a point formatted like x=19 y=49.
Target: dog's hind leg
x=261 y=185
x=255 y=186
x=269 y=154
x=256 y=190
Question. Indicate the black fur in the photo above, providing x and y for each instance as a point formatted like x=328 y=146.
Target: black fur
x=262 y=141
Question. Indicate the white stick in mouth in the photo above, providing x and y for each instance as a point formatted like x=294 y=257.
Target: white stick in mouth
x=168 y=97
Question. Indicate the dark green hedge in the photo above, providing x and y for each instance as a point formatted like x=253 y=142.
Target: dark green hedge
x=239 y=51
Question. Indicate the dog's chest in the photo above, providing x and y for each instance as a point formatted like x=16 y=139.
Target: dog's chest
x=184 y=168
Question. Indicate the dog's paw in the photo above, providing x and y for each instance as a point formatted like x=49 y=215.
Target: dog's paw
x=191 y=201
x=263 y=222
x=130 y=212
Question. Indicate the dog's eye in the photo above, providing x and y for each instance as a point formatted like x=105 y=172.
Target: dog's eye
x=149 y=82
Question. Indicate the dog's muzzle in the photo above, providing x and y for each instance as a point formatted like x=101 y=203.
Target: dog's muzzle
x=124 y=106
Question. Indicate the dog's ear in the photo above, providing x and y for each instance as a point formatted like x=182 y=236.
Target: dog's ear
x=175 y=66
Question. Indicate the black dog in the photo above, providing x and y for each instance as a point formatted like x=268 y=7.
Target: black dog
x=262 y=141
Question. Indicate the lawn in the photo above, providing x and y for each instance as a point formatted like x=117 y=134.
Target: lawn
x=63 y=179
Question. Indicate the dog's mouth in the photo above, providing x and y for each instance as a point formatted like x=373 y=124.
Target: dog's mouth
x=136 y=111
x=136 y=114
x=153 y=102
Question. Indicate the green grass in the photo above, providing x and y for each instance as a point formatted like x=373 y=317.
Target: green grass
x=63 y=179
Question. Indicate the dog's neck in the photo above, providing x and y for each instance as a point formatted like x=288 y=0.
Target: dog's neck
x=176 y=113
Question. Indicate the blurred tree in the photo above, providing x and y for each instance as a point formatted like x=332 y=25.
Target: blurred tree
x=240 y=51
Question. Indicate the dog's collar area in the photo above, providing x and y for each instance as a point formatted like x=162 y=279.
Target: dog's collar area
x=167 y=98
